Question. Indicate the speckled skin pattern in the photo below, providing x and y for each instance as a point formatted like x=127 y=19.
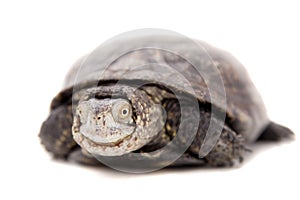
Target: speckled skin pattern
x=246 y=120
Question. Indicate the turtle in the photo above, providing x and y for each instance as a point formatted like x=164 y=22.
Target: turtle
x=120 y=102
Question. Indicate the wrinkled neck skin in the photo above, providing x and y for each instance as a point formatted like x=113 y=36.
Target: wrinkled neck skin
x=116 y=120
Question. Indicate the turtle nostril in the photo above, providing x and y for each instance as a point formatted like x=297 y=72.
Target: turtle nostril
x=98 y=118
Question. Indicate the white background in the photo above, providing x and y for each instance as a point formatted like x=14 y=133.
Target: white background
x=39 y=41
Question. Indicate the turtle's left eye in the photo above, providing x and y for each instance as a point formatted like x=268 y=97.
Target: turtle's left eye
x=124 y=112
x=121 y=111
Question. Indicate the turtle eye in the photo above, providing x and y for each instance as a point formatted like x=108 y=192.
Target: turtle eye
x=121 y=111
x=124 y=112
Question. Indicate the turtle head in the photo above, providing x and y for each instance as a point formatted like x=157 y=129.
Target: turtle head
x=105 y=121
x=113 y=127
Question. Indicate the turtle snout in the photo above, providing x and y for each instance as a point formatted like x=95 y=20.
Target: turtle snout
x=92 y=123
x=89 y=113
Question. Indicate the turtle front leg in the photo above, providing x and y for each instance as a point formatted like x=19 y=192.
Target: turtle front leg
x=56 y=136
x=82 y=157
x=56 y=132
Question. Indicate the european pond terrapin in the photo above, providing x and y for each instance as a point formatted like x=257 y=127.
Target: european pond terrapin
x=135 y=104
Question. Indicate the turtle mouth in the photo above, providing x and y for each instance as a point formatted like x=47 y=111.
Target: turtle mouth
x=108 y=135
x=117 y=148
x=117 y=142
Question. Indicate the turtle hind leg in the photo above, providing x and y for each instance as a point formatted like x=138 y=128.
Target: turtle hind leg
x=276 y=132
x=56 y=132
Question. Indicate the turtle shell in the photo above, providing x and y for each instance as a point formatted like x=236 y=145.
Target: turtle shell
x=197 y=68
